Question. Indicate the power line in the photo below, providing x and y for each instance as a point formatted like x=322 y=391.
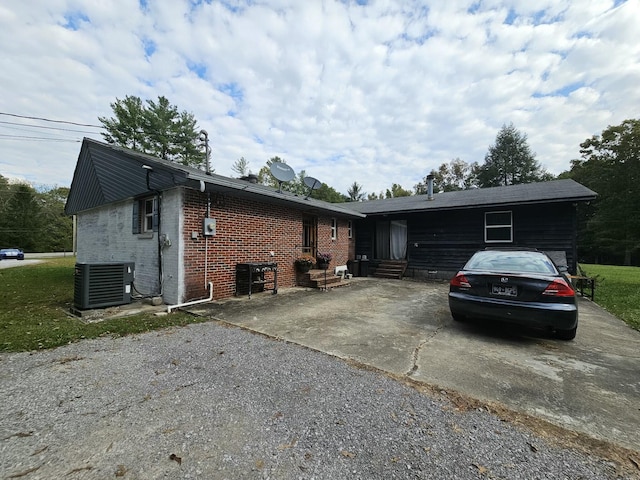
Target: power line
x=42 y=126
x=26 y=137
x=49 y=120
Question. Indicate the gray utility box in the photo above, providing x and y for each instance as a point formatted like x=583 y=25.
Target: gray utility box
x=99 y=285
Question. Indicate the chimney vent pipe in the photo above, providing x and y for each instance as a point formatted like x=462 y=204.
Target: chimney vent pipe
x=429 y=187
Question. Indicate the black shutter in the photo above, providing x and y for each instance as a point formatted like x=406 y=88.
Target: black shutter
x=135 y=224
x=155 y=215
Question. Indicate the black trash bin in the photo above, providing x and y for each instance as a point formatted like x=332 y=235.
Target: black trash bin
x=364 y=268
x=354 y=267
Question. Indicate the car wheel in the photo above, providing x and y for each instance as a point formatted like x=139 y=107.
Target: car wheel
x=567 y=334
x=459 y=318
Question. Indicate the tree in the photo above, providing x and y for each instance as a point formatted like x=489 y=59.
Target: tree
x=329 y=194
x=510 y=161
x=241 y=167
x=190 y=150
x=59 y=237
x=450 y=177
x=156 y=129
x=19 y=224
x=355 y=192
x=127 y=128
x=25 y=212
x=610 y=166
x=397 y=191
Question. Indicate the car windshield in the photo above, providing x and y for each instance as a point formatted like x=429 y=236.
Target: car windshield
x=512 y=262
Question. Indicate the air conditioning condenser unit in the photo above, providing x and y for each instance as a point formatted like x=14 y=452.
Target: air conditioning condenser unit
x=99 y=285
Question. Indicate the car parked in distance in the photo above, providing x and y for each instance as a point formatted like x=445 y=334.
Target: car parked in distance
x=7 y=253
x=522 y=287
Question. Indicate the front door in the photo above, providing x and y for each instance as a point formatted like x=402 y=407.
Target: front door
x=309 y=236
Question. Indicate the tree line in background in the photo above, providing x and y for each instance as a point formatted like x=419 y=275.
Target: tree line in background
x=609 y=227
x=34 y=220
x=610 y=165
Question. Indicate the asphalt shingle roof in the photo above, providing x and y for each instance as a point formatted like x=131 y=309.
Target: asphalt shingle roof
x=108 y=173
x=543 y=192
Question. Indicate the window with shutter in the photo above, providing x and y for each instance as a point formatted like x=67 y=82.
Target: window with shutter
x=145 y=215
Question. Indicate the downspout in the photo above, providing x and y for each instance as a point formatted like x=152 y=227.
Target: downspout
x=193 y=302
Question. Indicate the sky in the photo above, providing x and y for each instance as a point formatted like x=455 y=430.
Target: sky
x=374 y=92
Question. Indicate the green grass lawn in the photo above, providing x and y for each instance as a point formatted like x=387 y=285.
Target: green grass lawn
x=617 y=290
x=34 y=313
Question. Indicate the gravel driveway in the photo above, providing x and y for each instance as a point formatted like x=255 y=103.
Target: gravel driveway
x=214 y=402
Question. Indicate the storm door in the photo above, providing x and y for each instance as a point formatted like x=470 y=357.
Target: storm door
x=309 y=236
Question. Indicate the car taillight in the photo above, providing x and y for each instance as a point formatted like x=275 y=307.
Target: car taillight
x=460 y=281
x=559 y=288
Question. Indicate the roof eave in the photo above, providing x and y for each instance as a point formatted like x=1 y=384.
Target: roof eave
x=586 y=198
x=252 y=191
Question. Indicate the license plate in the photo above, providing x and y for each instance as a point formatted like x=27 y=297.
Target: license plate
x=506 y=290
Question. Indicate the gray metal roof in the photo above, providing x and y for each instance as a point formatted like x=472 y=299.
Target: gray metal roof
x=108 y=173
x=531 y=193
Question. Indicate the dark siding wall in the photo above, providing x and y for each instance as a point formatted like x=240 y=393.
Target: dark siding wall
x=547 y=228
x=443 y=241
x=365 y=234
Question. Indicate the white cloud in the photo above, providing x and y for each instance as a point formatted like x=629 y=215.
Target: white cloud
x=378 y=94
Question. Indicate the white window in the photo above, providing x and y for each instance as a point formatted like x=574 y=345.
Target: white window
x=350 y=229
x=498 y=227
x=149 y=213
x=145 y=215
x=334 y=229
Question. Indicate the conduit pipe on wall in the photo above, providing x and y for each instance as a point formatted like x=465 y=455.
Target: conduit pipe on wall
x=193 y=302
x=206 y=241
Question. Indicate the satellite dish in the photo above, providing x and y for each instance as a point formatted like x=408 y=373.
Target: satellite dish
x=282 y=172
x=312 y=183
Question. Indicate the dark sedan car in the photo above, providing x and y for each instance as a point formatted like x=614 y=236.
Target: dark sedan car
x=7 y=253
x=517 y=286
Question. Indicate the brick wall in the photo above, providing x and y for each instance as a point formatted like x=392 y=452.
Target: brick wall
x=342 y=248
x=247 y=231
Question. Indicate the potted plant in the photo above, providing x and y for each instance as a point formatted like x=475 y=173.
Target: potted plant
x=303 y=264
x=322 y=260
